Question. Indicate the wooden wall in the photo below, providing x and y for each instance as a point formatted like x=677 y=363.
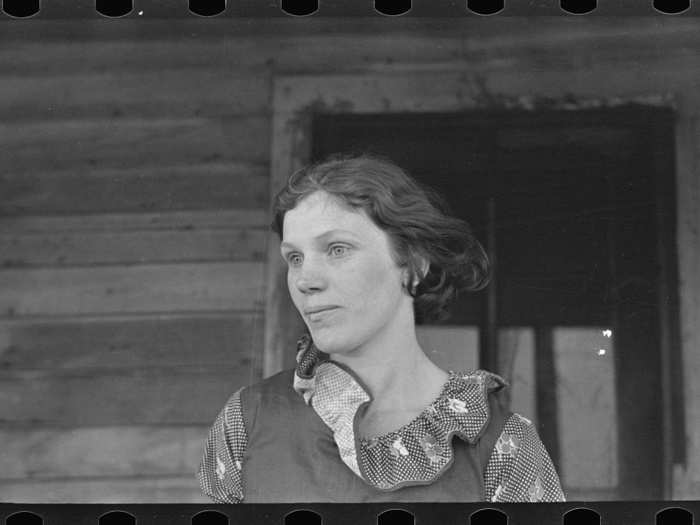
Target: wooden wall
x=134 y=189
x=133 y=212
x=133 y=215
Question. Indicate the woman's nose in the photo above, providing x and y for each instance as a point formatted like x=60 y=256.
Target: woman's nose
x=310 y=279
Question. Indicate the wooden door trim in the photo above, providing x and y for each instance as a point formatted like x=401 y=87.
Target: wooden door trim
x=297 y=98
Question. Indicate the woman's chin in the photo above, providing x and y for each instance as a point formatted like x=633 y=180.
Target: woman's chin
x=330 y=345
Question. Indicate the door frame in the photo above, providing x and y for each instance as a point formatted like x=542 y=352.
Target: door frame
x=297 y=98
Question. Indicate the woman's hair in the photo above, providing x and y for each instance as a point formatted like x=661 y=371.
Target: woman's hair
x=416 y=219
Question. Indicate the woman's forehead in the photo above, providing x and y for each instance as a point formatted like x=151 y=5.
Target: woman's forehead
x=320 y=206
x=321 y=212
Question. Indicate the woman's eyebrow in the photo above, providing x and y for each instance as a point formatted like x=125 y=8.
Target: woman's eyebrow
x=322 y=237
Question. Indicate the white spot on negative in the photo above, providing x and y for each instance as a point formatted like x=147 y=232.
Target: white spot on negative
x=536 y=490
x=220 y=469
x=459 y=406
x=524 y=419
x=399 y=447
x=497 y=494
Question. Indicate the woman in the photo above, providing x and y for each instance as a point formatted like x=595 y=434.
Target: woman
x=365 y=416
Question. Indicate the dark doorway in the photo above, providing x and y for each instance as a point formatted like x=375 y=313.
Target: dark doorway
x=577 y=210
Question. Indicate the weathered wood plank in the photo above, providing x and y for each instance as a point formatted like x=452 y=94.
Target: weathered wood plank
x=148 y=247
x=123 y=143
x=137 y=189
x=129 y=396
x=509 y=31
x=177 y=489
x=687 y=135
x=351 y=45
x=454 y=91
x=192 y=27
x=139 y=342
x=121 y=222
x=291 y=149
x=517 y=86
x=570 y=34
x=130 y=289
x=254 y=54
x=179 y=93
x=113 y=451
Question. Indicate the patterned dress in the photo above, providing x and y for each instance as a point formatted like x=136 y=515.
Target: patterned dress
x=276 y=442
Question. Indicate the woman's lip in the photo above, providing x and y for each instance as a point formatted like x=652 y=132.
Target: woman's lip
x=319 y=310
x=319 y=314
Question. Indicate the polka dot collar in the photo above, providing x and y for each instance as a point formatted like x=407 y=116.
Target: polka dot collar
x=415 y=454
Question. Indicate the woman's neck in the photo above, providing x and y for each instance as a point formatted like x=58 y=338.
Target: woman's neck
x=399 y=376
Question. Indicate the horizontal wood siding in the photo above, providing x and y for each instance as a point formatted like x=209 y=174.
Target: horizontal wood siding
x=169 y=395
x=135 y=247
x=131 y=489
x=149 y=93
x=132 y=289
x=171 y=49
x=142 y=188
x=117 y=451
x=84 y=343
x=133 y=227
x=82 y=145
x=122 y=222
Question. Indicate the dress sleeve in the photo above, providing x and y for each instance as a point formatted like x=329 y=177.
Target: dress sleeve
x=520 y=469
x=220 y=471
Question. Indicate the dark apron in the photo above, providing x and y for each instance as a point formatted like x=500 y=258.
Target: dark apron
x=291 y=456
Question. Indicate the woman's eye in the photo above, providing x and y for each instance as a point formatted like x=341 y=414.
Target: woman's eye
x=294 y=259
x=338 y=249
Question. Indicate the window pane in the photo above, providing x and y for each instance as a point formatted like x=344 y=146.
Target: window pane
x=586 y=410
x=516 y=353
x=450 y=347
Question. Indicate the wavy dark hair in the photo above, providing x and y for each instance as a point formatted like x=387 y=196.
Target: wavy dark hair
x=417 y=220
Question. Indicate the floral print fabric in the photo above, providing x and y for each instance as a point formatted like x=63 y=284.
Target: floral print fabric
x=220 y=471
x=520 y=469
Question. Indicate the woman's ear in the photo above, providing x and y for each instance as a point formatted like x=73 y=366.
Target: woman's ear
x=406 y=277
x=422 y=266
x=419 y=266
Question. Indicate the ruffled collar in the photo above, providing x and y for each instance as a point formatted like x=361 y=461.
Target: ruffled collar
x=417 y=453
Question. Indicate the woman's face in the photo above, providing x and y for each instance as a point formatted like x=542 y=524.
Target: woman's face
x=337 y=258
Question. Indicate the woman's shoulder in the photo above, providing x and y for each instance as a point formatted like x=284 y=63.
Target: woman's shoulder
x=276 y=390
x=277 y=383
